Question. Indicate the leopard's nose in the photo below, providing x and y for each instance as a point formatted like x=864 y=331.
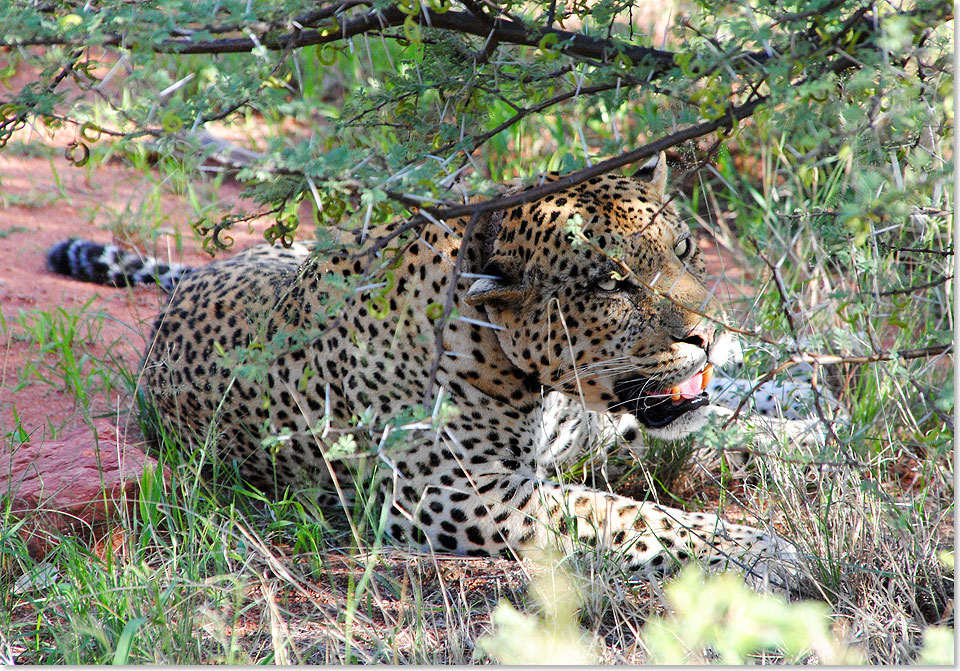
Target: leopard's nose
x=700 y=336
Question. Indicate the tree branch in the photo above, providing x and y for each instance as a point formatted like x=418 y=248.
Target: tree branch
x=601 y=168
x=916 y=287
x=502 y=30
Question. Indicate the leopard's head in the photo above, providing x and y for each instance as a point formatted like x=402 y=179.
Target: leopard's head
x=580 y=323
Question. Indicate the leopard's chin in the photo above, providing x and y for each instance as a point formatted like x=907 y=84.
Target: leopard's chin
x=683 y=425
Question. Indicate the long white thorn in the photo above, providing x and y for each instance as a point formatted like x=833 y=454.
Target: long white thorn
x=478 y=322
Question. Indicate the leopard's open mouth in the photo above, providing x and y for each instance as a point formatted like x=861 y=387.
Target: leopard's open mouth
x=658 y=408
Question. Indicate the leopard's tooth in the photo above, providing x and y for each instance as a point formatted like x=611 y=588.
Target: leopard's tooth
x=707 y=375
x=675 y=394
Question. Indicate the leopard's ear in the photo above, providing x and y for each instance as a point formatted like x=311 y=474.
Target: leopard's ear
x=503 y=287
x=654 y=171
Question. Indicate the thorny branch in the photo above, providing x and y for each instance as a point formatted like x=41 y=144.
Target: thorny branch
x=502 y=31
x=475 y=21
x=943 y=279
x=478 y=140
x=601 y=168
x=733 y=115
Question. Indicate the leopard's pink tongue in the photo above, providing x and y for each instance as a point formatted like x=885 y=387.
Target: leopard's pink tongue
x=691 y=388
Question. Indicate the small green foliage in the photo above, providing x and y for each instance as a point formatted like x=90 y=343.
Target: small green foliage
x=345 y=445
x=939 y=645
x=445 y=411
x=551 y=638
x=574 y=228
x=12 y=230
x=64 y=343
x=274 y=442
x=718 y=619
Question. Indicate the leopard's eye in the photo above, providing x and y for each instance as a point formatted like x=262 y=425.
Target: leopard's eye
x=608 y=284
x=683 y=247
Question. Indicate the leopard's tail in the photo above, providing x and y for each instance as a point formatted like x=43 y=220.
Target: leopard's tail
x=108 y=264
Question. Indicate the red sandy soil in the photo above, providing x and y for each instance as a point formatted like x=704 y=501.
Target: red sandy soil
x=26 y=285
x=73 y=452
x=36 y=213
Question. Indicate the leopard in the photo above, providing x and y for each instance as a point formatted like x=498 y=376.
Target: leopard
x=434 y=360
